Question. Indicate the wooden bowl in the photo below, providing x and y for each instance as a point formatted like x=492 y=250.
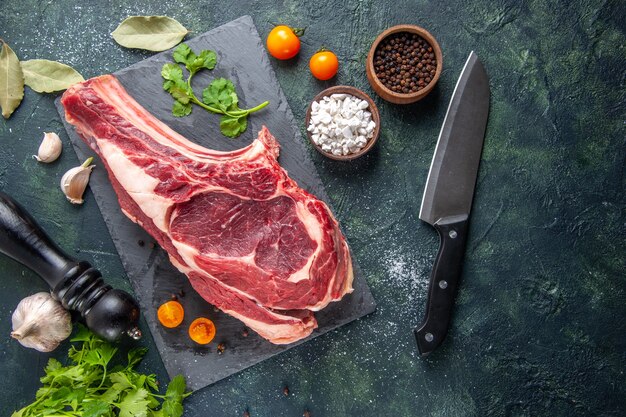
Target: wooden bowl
x=379 y=87
x=345 y=89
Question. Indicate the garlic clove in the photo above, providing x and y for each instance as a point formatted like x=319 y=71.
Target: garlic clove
x=40 y=322
x=49 y=149
x=74 y=182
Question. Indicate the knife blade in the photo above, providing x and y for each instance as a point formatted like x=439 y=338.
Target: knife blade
x=448 y=196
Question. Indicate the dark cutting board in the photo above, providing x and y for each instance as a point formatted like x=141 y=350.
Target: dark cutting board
x=242 y=58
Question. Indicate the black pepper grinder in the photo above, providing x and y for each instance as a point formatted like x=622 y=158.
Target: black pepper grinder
x=77 y=285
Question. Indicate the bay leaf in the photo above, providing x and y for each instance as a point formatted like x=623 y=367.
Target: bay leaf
x=11 y=81
x=154 y=33
x=45 y=76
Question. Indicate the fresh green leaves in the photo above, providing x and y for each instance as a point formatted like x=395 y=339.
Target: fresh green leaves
x=135 y=403
x=91 y=387
x=96 y=408
x=11 y=81
x=233 y=126
x=194 y=63
x=46 y=76
x=221 y=94
x=171 y=72
x=173 y=404
x=179 y=89
x=219 y=97
x=154 y=33
x=180 y=109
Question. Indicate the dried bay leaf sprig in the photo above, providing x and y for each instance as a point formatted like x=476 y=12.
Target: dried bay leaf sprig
x=153 y=33
x=11 y=81
x=42 y=75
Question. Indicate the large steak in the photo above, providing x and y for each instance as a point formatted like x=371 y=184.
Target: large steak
x=250 y=240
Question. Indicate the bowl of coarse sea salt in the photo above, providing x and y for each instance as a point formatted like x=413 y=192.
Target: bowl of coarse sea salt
x=342 y=123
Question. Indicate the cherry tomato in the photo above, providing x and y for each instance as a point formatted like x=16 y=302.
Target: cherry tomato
x=171 y=314
x=324 y=65
x=202 y=330
x=283 y=42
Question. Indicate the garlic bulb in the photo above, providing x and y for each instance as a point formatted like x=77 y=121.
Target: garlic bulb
x=74 y=182
x=50 y=148
x=40 y=322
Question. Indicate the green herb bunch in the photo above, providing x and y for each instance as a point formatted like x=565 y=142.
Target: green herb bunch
x=91 y=387
x=219 y=97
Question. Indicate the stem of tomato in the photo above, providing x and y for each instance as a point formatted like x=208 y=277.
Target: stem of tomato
x=298 y=31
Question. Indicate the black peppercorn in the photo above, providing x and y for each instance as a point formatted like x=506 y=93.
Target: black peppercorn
x=404 y=62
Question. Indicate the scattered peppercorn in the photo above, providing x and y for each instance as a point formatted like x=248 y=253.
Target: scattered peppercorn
x=404 y=62
x=141 y=242
x=286 y=391
x=221 y=348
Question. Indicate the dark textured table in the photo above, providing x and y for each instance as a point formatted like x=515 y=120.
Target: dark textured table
x=539 y=327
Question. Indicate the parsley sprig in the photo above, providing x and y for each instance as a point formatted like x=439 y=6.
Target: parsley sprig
x=91 y=387
x=219 y=97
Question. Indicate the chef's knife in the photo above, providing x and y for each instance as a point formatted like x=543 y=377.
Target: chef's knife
x=448 y=196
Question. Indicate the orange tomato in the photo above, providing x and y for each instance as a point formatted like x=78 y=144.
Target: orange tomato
x=171 y=314
x=324 y=65
x=202 y=330
x=283 y=42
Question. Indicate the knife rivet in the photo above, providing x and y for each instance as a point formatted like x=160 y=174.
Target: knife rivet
x=429 y=337
x=452 y=234
x=443 y=284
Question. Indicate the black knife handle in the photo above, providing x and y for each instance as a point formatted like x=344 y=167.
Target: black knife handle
x=444 y=281
x=75 y=284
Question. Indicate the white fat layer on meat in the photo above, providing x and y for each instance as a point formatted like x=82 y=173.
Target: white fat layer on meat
x=157 y=130
x=313 y=230
x=292 y=330
x=139 y=185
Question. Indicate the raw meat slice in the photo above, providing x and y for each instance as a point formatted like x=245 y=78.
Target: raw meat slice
x=251 y=241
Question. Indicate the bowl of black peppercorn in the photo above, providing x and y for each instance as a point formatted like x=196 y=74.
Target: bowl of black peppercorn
x=404 y=64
